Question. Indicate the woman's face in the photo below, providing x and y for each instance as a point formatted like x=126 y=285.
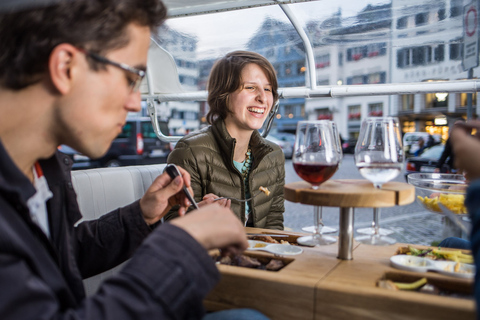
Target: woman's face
x=251 y=103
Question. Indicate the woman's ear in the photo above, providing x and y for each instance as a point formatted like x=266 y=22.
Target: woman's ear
x=61 y=66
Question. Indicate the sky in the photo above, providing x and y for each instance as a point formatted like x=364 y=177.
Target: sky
x=234 y=28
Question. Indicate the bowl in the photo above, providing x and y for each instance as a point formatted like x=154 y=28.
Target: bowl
x=434 y=188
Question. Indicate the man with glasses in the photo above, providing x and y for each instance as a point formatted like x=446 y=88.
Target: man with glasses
x=69 y=74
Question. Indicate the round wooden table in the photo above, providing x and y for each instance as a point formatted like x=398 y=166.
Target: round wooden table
x=349 y=194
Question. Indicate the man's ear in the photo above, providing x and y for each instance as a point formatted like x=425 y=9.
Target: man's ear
x=62 y=65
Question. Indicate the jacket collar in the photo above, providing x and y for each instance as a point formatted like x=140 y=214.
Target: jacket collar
x=226 y=143
x=12 y=181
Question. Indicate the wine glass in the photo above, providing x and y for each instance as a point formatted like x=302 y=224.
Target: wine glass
x=379 y=158
x=316 y=158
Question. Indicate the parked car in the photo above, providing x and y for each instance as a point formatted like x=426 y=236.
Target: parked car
x=137 y=144
x=285 y=136
x=286 y=146
x=348 y=146
x=426 y=162
x=411 y=144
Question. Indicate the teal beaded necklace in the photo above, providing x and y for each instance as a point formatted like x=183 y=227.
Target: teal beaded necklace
x=247 y=164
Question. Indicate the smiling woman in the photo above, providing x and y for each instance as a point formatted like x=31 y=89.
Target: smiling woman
x=230 y=158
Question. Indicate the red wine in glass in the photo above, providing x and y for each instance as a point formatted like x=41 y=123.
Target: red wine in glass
x=315 y=173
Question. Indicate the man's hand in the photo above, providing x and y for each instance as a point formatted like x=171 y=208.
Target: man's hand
x=466 y=148
x=215 y=227
x=163 y=194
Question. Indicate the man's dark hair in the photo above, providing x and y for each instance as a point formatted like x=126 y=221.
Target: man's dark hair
x=28 y=37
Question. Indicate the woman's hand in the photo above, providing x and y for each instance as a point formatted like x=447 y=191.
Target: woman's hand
x=210 y=198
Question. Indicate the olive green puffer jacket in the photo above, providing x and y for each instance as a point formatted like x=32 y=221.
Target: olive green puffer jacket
x=208 y=156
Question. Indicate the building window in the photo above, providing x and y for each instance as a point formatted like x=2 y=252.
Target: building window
x=462 y=99
x=407 y=102
x=455 y=51
x=355 y=54
x=441 y=14
x=323 y=61
x=436 y=100
x=421 y=19
x=456 y=8
x=356 y=80
x=324 y=114
x=402 y=23
x=340 y=59
x=375 y=110
x=376 y=49
x=377 y=77
x=403 y=58
x=354 y=113
x=440 y=53
x=418 y=56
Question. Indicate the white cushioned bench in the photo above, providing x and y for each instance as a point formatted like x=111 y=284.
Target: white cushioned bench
x=100 y=191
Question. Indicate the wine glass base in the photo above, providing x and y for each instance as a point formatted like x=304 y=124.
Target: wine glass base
x=371 y=231
x=324 y=229
x=376 y=240
x=312 y=241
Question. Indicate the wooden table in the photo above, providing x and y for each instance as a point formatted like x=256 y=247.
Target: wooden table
x=349 y=194
x=317 y=285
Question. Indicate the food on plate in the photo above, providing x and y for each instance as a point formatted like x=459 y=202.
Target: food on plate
x=260 y=245
x=437 y=254
x=264 y=190
x=411 y=286
x=454 y=202
x=268 y=239
x=251 y=262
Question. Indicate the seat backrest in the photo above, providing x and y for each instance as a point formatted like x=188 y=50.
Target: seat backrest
x=100 y=191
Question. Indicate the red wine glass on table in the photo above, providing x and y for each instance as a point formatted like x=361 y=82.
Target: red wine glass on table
x=379 y=159
x=316 y=158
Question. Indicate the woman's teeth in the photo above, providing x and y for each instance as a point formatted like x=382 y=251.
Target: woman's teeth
x=256 y=110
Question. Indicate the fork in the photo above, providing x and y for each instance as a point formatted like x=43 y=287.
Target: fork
x=234 y=199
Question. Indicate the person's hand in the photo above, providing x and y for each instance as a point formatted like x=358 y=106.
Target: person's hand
x=163 y=194
x=215 y=227
x=466 y=148
x=210 y=198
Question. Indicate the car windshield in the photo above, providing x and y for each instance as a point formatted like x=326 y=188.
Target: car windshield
x=335 y=60
x=433 y=152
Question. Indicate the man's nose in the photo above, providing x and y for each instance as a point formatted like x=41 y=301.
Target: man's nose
x=134 y=102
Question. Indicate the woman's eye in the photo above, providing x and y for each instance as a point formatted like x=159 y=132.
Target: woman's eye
x=268 y=89
x=250 y=88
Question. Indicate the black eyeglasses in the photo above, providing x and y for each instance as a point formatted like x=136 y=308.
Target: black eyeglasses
x=138 y=74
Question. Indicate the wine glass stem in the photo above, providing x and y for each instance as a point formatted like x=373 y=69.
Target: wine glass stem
x=318 y=220
x=376 y=221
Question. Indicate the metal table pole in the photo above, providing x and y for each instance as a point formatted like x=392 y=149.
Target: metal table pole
x=345 y=238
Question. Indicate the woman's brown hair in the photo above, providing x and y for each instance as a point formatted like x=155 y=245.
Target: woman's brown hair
x=225 y=78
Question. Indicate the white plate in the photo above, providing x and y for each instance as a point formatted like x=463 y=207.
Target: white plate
x=275 y=248
x=421 y=264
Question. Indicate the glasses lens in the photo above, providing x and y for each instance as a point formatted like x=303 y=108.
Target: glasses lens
x=135 y=85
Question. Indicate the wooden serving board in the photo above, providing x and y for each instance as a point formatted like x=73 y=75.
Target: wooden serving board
x=317 y=285
x=351 y=193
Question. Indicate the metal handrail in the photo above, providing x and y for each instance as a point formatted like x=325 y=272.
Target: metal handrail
x=455 y=86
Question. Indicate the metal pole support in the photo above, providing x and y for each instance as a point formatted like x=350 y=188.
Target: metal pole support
x=345 y=240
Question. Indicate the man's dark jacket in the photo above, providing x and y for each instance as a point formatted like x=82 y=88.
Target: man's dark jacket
x=41 y=278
